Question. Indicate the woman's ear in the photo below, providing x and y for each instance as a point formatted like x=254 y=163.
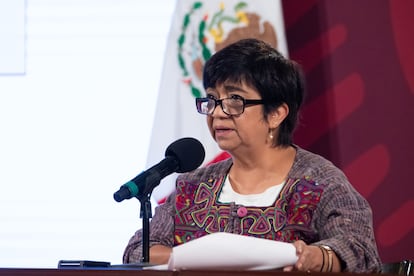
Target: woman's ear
x=276 y=117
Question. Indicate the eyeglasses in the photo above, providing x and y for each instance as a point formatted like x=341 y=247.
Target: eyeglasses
x=231 y=106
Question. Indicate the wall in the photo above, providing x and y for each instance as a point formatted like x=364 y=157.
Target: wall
x=75 y=126
x=359 y=111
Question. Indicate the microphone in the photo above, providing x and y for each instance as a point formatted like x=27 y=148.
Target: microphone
x=183 y=155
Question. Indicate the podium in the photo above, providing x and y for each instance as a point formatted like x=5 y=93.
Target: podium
x=82 y=272
x=148 y=272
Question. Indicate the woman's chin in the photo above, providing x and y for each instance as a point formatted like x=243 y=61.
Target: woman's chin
x=225 y=145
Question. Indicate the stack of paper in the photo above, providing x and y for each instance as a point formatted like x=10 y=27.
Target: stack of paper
x=222 y=251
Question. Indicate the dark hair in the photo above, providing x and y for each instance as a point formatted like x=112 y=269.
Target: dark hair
x=277 y=79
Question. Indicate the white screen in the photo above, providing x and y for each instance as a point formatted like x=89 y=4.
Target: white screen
x=76 y=126
x=12 y=35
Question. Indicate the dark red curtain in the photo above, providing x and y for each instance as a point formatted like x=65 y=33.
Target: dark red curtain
x=358 y=58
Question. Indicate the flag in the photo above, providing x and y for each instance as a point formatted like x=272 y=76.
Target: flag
x=198 y=30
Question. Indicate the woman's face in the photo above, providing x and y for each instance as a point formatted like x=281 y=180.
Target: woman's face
x=243 y=132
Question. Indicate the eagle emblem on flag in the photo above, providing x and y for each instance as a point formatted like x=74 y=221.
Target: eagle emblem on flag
x=205 y=31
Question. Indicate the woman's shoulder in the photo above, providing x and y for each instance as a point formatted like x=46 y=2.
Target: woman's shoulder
x=315 y=166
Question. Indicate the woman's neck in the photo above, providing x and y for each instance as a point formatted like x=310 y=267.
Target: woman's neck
x=255 y=173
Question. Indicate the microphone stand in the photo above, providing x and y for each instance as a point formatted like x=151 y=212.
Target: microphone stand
x=145 y=214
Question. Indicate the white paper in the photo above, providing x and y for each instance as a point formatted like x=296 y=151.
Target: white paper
x=221 y=251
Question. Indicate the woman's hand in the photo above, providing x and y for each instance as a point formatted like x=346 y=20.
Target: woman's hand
x=311 y=258
x=160 y=254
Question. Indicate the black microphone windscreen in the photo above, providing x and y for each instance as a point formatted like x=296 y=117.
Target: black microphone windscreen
x=189 y=153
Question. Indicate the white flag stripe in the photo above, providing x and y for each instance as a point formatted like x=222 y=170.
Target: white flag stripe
x=213 y=21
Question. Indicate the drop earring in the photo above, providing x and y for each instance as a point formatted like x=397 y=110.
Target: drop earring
x=270 y=134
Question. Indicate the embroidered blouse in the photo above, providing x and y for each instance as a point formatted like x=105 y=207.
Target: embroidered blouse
x=199 y=213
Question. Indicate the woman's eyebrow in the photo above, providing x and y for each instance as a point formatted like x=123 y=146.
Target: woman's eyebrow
x=211 y=90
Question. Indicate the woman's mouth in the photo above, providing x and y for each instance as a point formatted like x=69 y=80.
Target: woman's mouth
x=222 y=131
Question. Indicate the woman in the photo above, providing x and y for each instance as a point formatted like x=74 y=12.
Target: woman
x=253 y=96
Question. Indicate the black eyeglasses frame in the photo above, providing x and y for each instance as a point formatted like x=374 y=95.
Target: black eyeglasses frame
x=246 y=102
